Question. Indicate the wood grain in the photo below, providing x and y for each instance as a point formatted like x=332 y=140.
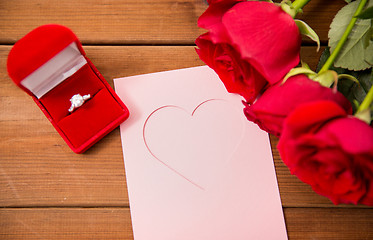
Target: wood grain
x=329 y=224
x=115 y=223
x=130 y=22
x=65 y=223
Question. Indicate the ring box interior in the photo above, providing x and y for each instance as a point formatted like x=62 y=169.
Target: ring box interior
x=50 y=64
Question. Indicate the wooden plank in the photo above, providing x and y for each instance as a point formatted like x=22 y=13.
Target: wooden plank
x=106 y=22
x=38 y=169
x=329 y=224
x=65 y=223
x=115 y=223
x=130 y=22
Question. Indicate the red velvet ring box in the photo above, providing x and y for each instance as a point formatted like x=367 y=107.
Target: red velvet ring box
x=50 y=64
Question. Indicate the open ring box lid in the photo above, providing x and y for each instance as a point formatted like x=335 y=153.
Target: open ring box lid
x=50 y=64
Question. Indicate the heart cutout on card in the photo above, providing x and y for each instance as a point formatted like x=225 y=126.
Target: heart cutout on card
x=195 y=145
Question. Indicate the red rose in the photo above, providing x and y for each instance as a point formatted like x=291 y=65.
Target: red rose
x=248 y=44
x=331 y=151
x=270 y=109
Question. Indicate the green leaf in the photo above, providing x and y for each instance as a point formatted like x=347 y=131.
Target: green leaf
x=365 y=79
x=368 y=54
x=354 y=92
x=352 y=53
x=366 y=14
x=324 y=56
x=369 y=36
x=308 y=31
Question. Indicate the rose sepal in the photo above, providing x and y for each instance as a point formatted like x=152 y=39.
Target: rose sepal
x=326 y=78
x=293 y=8
x=364 y=115
x=304 y=69
x=348 y=77
x=306 y=30
x=288 y=8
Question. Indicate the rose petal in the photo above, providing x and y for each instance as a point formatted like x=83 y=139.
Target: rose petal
x=237 y=75
x=275 y=104
x=310 y=115
x=357 y=139
x=211 y=19
x=266 y=37
x=324 y=148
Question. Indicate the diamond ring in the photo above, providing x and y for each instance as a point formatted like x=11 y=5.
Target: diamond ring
x=77 y=100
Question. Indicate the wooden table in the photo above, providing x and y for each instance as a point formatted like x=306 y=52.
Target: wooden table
x=48 y=192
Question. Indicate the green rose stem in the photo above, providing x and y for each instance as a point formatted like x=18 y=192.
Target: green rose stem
x=299 y=4
x=329 y=62
x=292 y=8
x=369 y=97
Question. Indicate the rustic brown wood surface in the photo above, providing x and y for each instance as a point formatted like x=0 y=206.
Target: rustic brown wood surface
x=48 y=192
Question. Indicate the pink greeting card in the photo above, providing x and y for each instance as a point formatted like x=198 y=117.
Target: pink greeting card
x=195 y=167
